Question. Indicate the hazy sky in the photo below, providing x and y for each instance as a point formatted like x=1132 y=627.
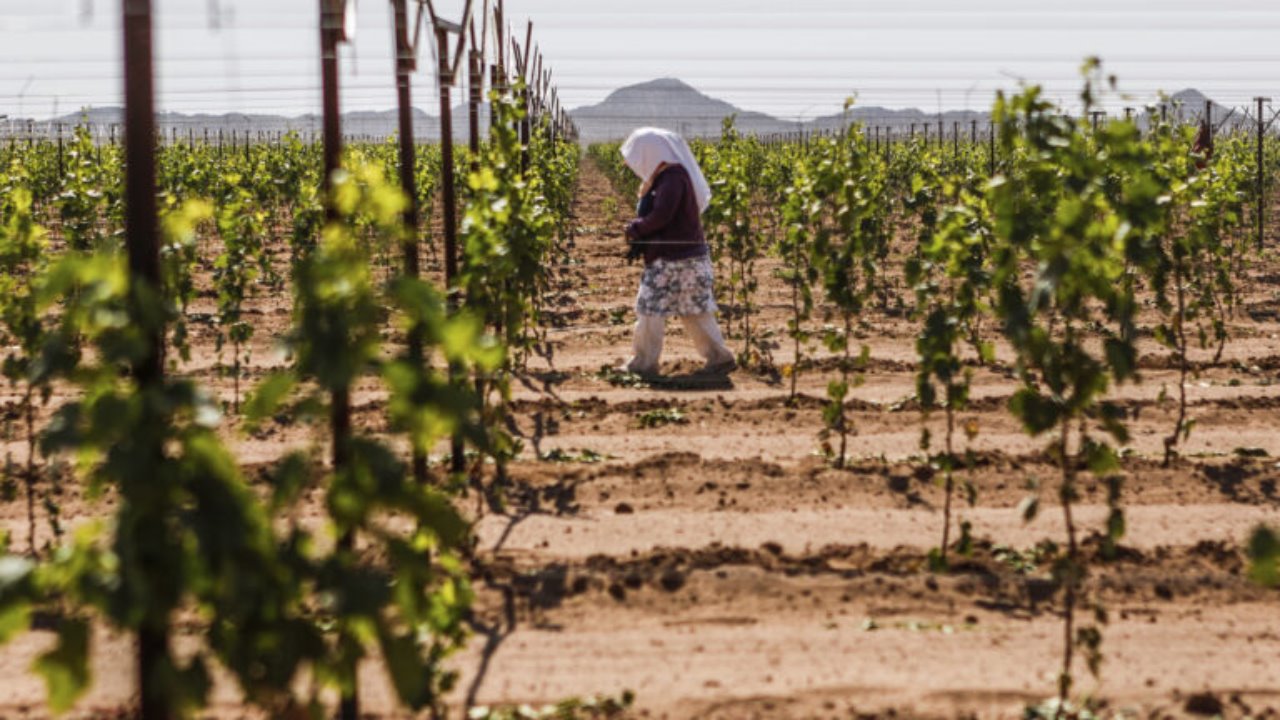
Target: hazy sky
x=795 y=59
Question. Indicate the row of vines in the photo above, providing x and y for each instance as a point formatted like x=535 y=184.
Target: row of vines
x=1084 y=239
x=289 y=596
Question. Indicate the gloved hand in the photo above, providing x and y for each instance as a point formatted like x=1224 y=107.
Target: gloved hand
x=634 y=251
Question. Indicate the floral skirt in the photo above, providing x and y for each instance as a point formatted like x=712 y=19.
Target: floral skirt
x=677 y=287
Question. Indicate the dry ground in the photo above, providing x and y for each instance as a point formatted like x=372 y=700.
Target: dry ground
x=720 y=569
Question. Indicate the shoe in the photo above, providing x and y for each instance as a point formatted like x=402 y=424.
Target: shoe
x=724 y=367
x=626 y=369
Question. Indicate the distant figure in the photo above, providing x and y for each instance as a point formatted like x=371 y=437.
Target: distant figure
x=1203 y=147
x=667 y=233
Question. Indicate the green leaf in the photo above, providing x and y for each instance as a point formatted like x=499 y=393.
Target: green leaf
x=1264 y=556
x=987 y=352
x=1115 y=525
x=1100 y=458
x=1122 y=357
x=65 y=668
x=1163 y=335
x=405 y=664
x=289 y=478
x=15 y=616
x=193 y=684
x=270 y=394
x=1037 y=413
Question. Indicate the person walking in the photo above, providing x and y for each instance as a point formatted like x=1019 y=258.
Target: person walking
x=668 y=234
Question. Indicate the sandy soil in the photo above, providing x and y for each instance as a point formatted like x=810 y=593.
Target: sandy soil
x=719 y=569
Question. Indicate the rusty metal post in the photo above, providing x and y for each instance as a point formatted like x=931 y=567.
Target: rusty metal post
x=476 y=77
x=991 y=154
x=446 y=69
x=449 y=202
x=554 y=113
x=495 y=87
x=525 y=95
x=499 y=82
x=141 y=228
x=404 y=67
x=331 y=21
x=1261 y=174
x=445 y=81
x=142 y=242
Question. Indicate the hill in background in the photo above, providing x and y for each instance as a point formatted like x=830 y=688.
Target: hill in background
x=666 y=102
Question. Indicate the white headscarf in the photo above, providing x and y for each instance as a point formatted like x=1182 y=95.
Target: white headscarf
x=648 y=147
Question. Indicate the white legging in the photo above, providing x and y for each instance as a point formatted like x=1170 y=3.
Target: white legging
x=703 y=329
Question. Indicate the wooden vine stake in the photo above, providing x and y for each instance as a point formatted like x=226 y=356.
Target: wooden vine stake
x=406 y=62
x=446 y=75
x=143 y=248
x=336 y=20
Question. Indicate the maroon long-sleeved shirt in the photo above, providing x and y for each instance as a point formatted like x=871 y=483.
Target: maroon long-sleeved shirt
x=672 y=227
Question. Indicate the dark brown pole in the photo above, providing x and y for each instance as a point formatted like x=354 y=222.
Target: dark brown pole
x=991 y=141
x=331 y=16
x=449 y=200
x=143 y=247
x=495 y=86
x=554 y=114
x=404 y=66
x=539 y=84
x=526 y=67
x=330 y=22
x=140 y=184
x=500 y=54
x=473 y=105
x=1261 y=178
x=445 y=77
x=525 y=121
